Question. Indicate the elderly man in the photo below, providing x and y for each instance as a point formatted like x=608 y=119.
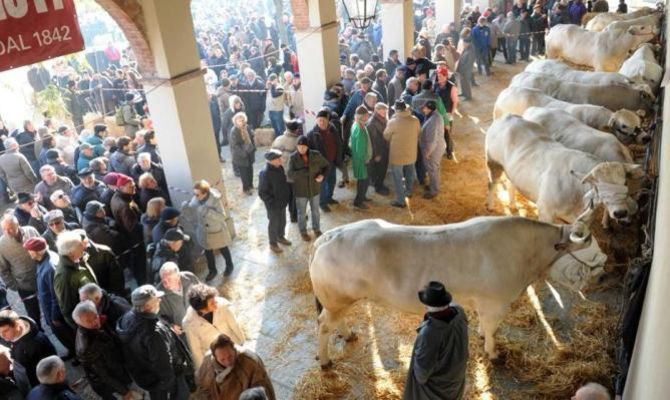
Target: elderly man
x=55 y=226
x=98 y=351
x=89 y=189
x=155 y=357
x=325 y=139
x=144 y=165
x=440 y=356
x=86 y=155
x=111 y=306
x=402 y=133
x=149 y=189
x=175 y=284
x=29 y=212
x=150 y=146
x=254 y=100
x=592 y=391
x=17 y=269
x=49 y=184
x=396 y=86
x=28 y=343
x=8 y=385
x=15 y=170
x=100 y=228
x=169 y=249
x=274 y=190
x=122 y=160
x=432 y=146
x=61 y=202
x=72 y=272
x=55 y=159
x=229 y=370
x=127 y=215
x=380 y=148
x=104 y=264
x=53 y=385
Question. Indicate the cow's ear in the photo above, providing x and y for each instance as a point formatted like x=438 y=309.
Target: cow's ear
x=634 y=170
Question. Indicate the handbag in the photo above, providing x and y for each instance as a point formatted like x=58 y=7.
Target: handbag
x=230 y=224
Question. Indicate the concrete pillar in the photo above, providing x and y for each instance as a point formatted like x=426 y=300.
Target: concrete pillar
x=648 y=372
x=398 y=27
x=178 y=100
x=316 y=36
x=447 y=12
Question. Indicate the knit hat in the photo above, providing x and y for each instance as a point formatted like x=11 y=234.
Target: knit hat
x=123 y=180
x=173 y=234
x=25 y=197
x=110 y=178
x=93 y=207
x=52 y=154
x=302 y=141
x=35 y=244
x=273 y=154
x=53 y=215
x=169 y=213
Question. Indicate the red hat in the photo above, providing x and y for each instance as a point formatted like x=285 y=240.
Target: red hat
x=110 y=178
x=35 y=244
x=123 y=180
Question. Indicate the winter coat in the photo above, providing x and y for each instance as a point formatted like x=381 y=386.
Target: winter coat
x=439 y=359
x=304 y=176
x=69 y=277
x=361 y=151
x=121 y=162
x=146 y=194
x=148 y=225
x=273 y=188
x=318 y=143
x=466 y=62
x=576 y=11
x=17 y=269
x=243 y=153
x=45 y=288
x=395 y=89
x=174 y=304
x=100 y=230
x=254 y=101
x=152 y=149
x=247 y=372
x=81 y=195
x=25 y=218
x=211 y=230
x=156 y=171
x=162 y=255
x=58 y=391
x=512 y=28
x=431 y=140
x=154 y=355
x=27 y=142
x=481 y=37
x=402 y=133
x=227 y=123
x=17 y=173
x=106 y=268
x=28 y=351
x=127 y=215
x=200 y=333
x=376 y=126
x=98 y=352
x=98 y=147
x=113 y=306
x=62 y=183
x=382 y=88
x=65 y=170
x=390 y=66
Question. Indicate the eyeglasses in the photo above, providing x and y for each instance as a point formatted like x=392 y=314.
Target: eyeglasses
x=59 y=222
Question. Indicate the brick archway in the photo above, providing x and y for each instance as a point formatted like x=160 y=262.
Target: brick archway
x=128 y=15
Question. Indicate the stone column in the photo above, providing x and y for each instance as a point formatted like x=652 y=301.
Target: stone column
x=316 y=36
x=398 y=27
x=447 y=12
x=178 y=101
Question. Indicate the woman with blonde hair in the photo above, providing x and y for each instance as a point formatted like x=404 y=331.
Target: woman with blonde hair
x=151 y=217
x=210 y=225
x=243 y=150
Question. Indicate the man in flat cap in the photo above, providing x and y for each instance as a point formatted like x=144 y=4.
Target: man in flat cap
x=275 y=192
x=440 y=356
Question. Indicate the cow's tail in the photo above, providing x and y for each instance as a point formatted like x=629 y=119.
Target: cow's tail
x=315 y=245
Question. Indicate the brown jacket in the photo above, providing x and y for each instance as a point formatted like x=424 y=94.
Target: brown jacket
x=247 y=373
x=402 y=133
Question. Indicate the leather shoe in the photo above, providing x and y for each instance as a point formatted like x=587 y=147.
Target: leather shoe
x=305 y=236
x=275 y=248
x=325 y=208
x=333 y=201
x=399 y=205
x=284 y=241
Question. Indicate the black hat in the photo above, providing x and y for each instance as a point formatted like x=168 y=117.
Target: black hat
x=323 y=113
x=434 y=295
x=93 y=207
x=399 y=105
x=84 y=172
x=273 y=154
x=99 y=128
x=173 y=234
x=52 y=154
x=169 y=213
x=293 y=125
x=431 y=105
x=24 y=197
x=302 y=141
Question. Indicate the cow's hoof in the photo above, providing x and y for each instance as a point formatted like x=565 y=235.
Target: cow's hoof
x=352 y=338
x=327 y=367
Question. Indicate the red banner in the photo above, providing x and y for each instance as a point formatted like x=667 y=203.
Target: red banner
x=35 y=30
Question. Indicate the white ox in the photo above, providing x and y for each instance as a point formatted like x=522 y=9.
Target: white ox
x=653 y=21
x=614 y=97
x=562 y=71
x=560 y=181
x=486 y=263
x=624 y=124
x=603 y=51
x=600 y=21
x=573 y=134
x=643 y=67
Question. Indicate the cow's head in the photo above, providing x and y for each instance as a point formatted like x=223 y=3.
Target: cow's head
x=608 y=186
x=578 y=269
x=626 y=126
x=642 y=30
x=647 y=99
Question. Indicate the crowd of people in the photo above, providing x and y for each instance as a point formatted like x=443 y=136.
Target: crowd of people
x=93 y=217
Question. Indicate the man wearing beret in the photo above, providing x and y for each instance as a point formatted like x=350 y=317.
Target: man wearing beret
x=440 y=356
x=287 y=143
x=29 y=212
x=89 y=189
x=275 y=192
x=106 y=198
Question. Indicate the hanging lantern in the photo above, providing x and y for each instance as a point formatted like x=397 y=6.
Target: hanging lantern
x=361 y=12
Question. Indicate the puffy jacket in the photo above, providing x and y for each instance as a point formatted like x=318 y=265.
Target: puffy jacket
x=243 y=153
x=273 y=187
x=81 y=195
x=402 y=133
x=121 y=162
x=17 y=269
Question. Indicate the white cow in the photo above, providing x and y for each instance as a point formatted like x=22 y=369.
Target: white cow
x=653 y=21
x=486 y=263
x=603 y=51
x=614 y=97
x=562 y=71
x=625 y=124
x=573 y=134
x=562 y=182
x=600 y=21
x=643 y=67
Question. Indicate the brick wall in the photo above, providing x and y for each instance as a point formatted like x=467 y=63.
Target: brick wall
x=300 y=14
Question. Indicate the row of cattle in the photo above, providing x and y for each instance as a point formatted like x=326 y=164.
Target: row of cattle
x=560 y=137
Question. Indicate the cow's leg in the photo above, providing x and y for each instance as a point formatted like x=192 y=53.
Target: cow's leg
x=490 y=315
x=495 y=173
x=325 y=328
x=345 y=331
x=511 y=192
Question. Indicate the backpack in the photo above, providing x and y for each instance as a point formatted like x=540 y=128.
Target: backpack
x=120 y=121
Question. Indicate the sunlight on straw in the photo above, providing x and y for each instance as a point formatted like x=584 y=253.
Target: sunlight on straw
x=535 y=302
x=482 y=381
x=557 y=296
x=503 y=197
x=474 y=119
x=384 y=380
